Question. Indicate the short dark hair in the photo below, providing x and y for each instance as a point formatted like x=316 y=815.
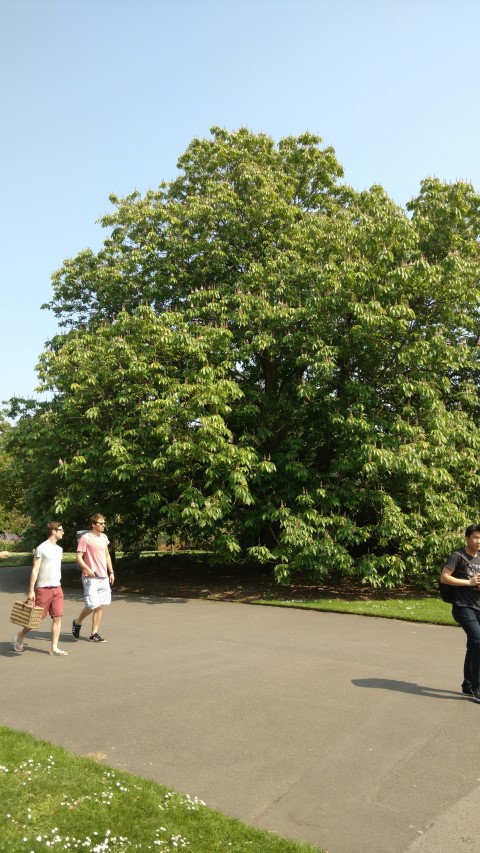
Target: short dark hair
x=472 y=528
x=53 y=525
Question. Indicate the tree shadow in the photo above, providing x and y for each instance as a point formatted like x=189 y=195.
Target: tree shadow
x=407 y=687
x=137 y=597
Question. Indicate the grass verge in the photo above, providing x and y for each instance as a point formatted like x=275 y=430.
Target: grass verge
x=25 y=558
x=432 y=610
x=54 y=800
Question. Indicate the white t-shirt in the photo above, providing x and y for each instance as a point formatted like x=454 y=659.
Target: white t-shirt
x=50 y=571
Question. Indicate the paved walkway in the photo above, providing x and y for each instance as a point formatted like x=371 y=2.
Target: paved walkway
x=340 y=730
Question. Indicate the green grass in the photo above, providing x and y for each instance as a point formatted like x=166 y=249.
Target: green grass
x=25 y=558
x=21 y=558
x=432 y=610
x=52 y=799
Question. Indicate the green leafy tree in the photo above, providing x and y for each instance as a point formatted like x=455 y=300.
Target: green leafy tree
x=265 y=360
x=12 y=516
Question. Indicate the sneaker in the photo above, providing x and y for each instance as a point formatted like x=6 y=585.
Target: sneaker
x=18 y=647
x=96 y=638
x=76 y=629
x=467 y=691
x=476 y=694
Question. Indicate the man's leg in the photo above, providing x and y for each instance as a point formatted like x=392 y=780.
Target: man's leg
x=85 y=612
x=77 y=623
x=96 y=619
x=19 y=638
x=469 y=620
x=56 y=626
x=99 y=595
x=43 y=598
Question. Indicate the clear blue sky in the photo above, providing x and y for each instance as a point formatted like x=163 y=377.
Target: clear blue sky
x=102 y=96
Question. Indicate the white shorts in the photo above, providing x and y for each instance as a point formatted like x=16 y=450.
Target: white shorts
x=96 y=592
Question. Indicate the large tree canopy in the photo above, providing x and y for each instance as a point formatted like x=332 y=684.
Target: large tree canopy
x=264 y=360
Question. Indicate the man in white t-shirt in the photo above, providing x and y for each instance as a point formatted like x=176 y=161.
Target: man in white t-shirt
x=95 y=562
x=45 y=586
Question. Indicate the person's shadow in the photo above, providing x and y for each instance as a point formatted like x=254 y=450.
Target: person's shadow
x=407 y=687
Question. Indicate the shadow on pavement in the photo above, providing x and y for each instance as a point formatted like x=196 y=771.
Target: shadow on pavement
x=406 y=687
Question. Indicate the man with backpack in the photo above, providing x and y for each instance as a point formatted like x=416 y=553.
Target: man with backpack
x=95 y=562
x=462 y=575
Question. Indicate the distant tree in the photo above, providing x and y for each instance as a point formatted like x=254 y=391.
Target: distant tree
x=12 y=516
x=264 y=360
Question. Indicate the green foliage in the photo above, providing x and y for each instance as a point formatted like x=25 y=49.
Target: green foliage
x=13 y=547
x=12 y=516
x=265 y=362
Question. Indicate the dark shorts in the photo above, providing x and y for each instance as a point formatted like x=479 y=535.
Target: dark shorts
x=51 y=599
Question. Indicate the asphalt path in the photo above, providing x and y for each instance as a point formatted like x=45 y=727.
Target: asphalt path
x=344 y=731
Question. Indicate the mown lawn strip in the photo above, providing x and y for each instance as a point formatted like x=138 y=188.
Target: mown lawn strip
x=431 y=610
x=54 y=800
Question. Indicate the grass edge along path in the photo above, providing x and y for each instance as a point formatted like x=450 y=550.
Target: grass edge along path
x=430 y=610
x=52 y=799
x=427 y=608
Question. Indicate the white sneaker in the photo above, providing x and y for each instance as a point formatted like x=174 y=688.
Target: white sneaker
x=16 y=645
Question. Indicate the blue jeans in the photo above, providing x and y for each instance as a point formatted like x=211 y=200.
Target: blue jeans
x=469 y=619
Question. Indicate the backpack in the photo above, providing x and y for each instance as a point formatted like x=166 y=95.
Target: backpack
x=445 y=589
x=446 y=592
x=81 y=533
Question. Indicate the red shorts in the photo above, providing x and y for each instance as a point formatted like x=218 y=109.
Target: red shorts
x=51 y=599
